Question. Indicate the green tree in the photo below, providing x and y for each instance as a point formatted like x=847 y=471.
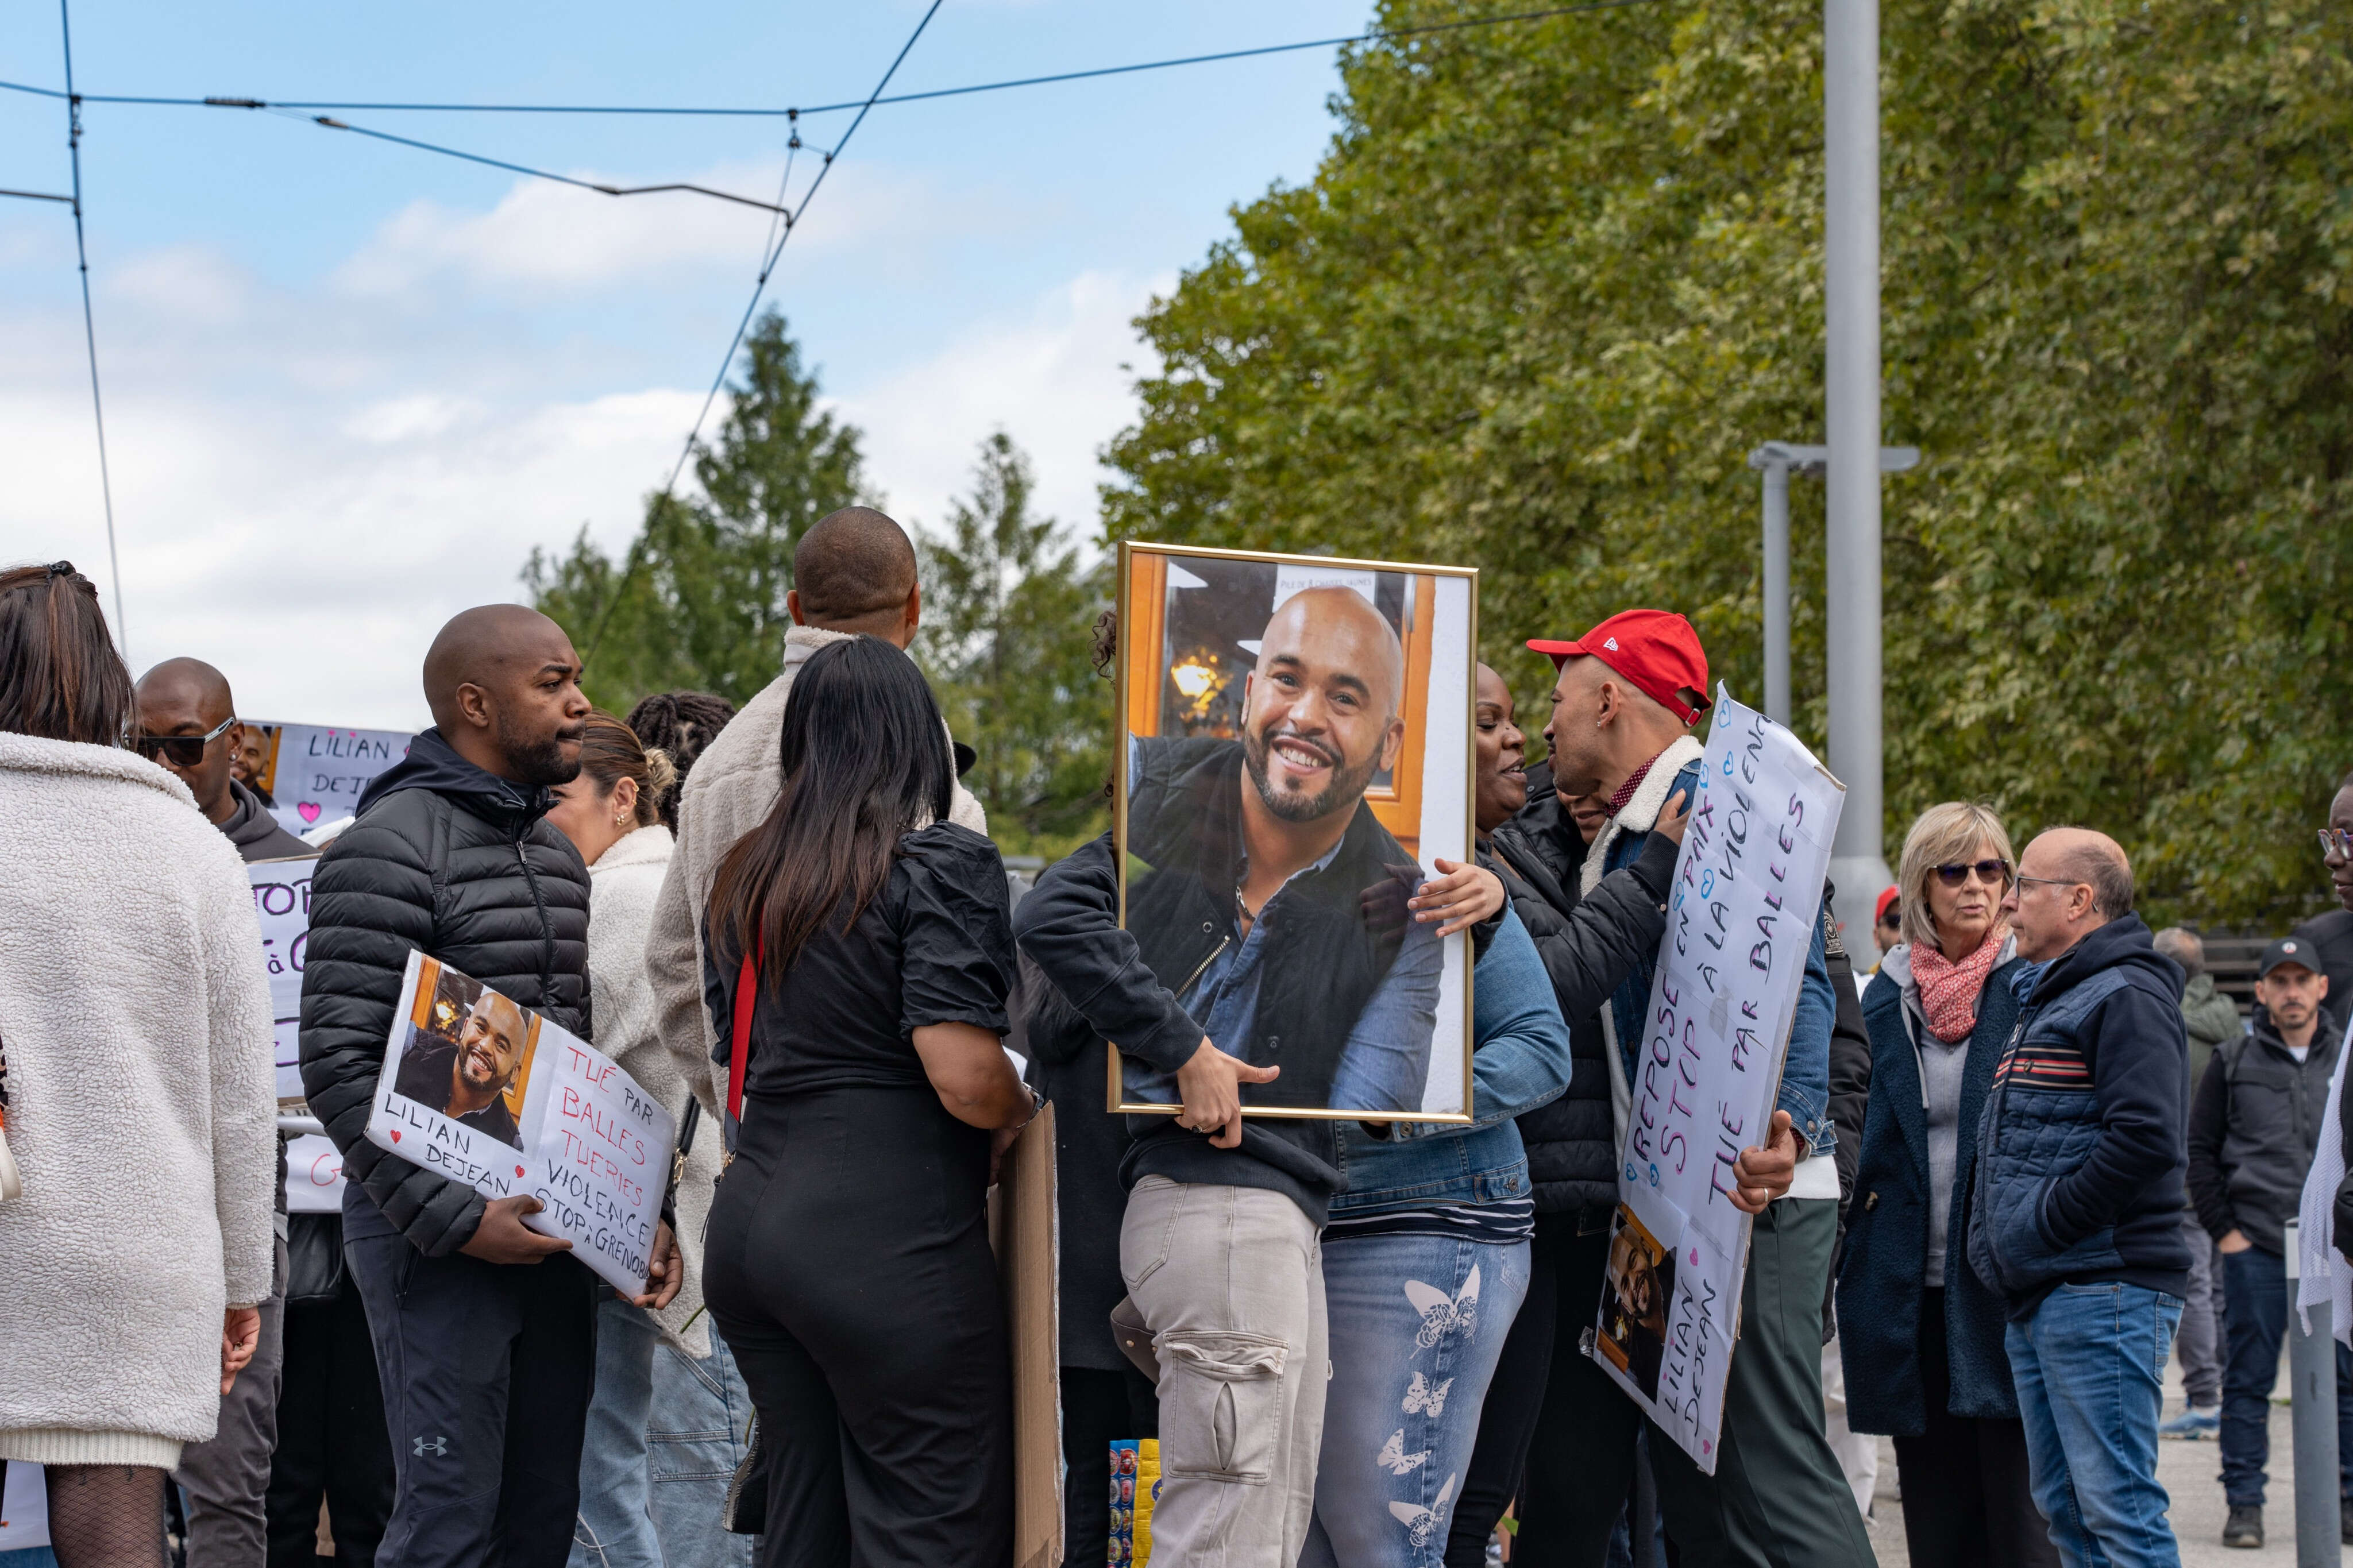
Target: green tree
x=1008 y=601
x=1551 y=281
x=698 y=600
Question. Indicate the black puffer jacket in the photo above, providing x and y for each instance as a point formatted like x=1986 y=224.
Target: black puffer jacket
x=1589 y=946
x=458 y=864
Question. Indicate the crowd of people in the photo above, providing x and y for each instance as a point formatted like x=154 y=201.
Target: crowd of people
x=2009 y=1164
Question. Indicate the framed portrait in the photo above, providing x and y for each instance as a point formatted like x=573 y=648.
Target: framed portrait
x=1294 y=758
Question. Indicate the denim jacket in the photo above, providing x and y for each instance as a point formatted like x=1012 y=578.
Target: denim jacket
x=1520 y=1061
x=1806 y=1068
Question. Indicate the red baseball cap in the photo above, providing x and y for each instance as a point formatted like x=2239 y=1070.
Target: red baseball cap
x=1656 y=649
x=1879 y=910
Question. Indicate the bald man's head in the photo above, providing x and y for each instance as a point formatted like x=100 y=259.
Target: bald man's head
x=1320 y=711
x=503 y=684
x=188 y=698
x=2071 y=882
x=854 y=571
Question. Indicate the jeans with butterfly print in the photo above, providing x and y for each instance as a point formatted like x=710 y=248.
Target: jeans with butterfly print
x=1417 y=1323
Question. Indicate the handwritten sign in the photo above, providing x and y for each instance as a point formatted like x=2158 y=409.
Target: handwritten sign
x=314 y=773
x=498 y=1096
x=282 y=897
x=315 y=1175
x=1748 y=889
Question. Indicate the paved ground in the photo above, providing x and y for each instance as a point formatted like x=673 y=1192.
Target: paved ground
x=2189 y=1471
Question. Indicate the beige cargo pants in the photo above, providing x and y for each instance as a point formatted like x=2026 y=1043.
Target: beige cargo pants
x=1230 y=1281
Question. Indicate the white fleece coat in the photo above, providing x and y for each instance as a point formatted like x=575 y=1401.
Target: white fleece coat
x=622 y=887
x=734 y=783
x=135 y=1009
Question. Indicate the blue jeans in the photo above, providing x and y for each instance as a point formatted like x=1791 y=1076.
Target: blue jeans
x=1416 y=1324
x=699 y=1431
x=616 y=1528
x=2255 y=1318
x=2090 y=1369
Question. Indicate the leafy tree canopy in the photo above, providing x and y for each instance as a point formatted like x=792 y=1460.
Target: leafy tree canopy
x=1553 y=281
x=1008 y=602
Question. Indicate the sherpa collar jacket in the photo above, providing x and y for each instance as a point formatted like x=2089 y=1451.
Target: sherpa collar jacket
x=461 y=866
x=134 y=1013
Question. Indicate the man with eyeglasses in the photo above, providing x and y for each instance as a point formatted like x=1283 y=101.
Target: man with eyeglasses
x=185 y=720
x=2330 y=936
x=2077 y=1209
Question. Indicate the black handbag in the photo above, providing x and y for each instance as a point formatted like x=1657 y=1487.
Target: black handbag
x=314 y=1253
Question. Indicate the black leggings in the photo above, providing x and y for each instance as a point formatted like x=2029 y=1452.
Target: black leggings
x=848 y=1266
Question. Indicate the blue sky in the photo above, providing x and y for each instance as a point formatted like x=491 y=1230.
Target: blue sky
x=349 y=385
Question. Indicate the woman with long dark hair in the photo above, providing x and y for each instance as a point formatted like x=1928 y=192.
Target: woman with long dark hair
x=869 y=942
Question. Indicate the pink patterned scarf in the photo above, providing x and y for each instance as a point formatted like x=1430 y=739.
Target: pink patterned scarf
x=1948 y=991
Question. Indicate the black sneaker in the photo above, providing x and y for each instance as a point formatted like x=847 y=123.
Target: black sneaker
x=2245 y=1527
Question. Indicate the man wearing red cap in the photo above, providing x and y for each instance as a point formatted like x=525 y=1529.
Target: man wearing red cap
x=1627 y=694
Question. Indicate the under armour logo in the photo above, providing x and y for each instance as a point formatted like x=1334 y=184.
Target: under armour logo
x=437 y=1446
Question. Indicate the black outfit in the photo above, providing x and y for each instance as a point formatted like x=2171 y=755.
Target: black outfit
x=1068 y=928
x=487 y=1370
x=2253 y=1125
x=848 y=1262
x=1331 y=934
x=2332 y=933
x=1974 y=1506
x=331 y=1441
x=1103 y=1397
x=426 y=1078
x=1555 y=1431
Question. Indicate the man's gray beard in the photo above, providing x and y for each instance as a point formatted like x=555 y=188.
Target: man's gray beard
x=1347 y=787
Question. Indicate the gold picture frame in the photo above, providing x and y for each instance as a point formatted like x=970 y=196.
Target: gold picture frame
x=1410 y=799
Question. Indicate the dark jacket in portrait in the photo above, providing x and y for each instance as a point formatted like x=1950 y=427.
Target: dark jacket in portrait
x=427 y=1074
x=1331 y=936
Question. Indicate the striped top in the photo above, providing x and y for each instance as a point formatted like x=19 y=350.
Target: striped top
x=1496 y=1224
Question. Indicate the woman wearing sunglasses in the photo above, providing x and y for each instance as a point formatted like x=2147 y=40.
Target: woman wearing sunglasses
x=1922 y=1334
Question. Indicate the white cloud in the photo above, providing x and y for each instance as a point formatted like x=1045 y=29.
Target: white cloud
x=543 y=235
x=310 y=479
x=1055 y=377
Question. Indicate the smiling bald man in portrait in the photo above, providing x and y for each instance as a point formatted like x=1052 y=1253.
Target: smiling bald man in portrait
x=1272 y=885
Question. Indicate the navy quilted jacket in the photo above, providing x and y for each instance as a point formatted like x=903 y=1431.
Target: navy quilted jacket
x=2083 y=1141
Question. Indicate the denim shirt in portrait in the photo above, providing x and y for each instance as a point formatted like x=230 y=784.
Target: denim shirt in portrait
x=1379 y=1068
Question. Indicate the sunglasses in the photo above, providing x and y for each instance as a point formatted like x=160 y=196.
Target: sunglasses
x=180 y=751
x=1993 y=873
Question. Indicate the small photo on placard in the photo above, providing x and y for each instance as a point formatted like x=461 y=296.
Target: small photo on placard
x=1641 y=1282
x=467 y=1054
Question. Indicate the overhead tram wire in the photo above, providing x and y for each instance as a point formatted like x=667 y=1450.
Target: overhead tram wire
x=89 y=331
x=760 y=285
x=333 y=124
x=1376 y=36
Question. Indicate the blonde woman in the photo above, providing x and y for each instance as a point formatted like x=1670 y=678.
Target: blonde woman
x=1922 y=1333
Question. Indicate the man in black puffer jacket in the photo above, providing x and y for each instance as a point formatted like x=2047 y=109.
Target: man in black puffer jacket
x=477 y=1323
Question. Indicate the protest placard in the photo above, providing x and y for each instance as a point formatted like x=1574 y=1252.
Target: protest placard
x=1748 y=887
x=488 y=1092
x=282 y=897
x=312 y=773
x=314 y=1174
x=23 y=1506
